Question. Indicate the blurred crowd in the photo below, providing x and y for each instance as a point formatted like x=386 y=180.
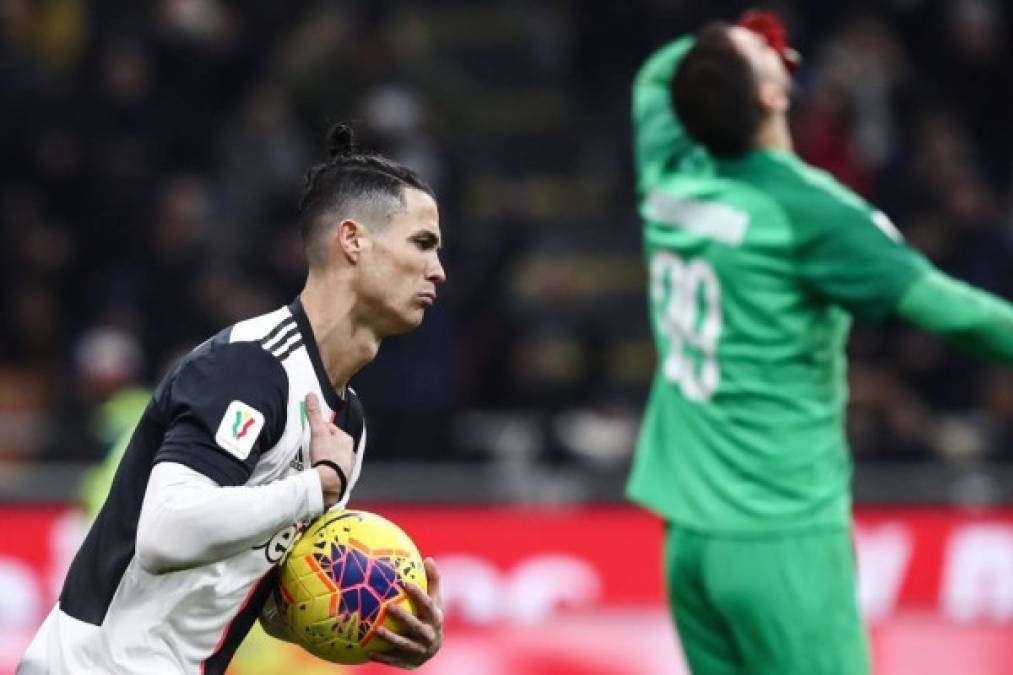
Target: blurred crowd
x=154 y=152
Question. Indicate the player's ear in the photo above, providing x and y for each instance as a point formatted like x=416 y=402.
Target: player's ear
x=350 y=240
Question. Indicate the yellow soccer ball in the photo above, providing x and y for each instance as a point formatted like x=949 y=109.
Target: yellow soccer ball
x=340 y=578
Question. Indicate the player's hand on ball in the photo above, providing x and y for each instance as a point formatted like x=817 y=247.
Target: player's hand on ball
x=331 y=451
x=422 y=633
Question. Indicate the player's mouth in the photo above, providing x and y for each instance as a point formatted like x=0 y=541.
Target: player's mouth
x=427 y=299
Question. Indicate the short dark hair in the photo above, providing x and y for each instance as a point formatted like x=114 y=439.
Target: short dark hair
x=351 y=184
x=714 y=93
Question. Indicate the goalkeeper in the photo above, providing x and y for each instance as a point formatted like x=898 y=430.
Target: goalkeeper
x=757 y=264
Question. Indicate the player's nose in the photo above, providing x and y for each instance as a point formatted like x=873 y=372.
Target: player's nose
x=436 y=273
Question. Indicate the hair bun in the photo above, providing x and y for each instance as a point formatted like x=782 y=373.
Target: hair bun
x=340 y=141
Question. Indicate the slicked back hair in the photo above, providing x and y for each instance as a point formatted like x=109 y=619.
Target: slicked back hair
x=715 y=94
x=366 y=187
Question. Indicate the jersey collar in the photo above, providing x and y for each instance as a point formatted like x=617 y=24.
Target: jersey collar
x=333 y=398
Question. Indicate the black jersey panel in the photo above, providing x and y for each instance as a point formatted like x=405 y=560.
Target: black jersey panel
x=226 y=405
x=98 y=567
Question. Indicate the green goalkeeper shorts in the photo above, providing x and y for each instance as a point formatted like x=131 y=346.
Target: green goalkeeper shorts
x=766 y=605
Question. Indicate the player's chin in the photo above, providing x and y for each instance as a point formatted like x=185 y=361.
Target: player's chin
x=408 y=320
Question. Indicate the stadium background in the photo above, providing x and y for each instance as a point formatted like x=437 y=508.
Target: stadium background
x=152 y=156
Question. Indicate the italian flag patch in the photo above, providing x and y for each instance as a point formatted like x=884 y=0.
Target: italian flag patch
x=239 y=429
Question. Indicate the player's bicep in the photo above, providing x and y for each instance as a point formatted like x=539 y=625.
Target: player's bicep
x=855 y=257
x=225 y=409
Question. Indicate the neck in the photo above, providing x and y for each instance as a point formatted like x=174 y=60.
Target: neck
x=774 y=134
x=345 y=344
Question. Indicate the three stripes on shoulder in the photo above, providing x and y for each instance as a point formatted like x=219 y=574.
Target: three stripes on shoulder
x=283 y=339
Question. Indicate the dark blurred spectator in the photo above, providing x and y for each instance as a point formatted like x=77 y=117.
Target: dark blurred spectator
x=106 y=359
x=976 y=67
x=262 y=160
x=197 y=50
x=847 y=123
x=397 y=118
x=997 y=416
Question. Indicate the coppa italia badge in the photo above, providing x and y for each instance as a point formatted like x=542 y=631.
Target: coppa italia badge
x=239 y=429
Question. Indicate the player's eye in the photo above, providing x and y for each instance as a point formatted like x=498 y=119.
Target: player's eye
x=425 y=242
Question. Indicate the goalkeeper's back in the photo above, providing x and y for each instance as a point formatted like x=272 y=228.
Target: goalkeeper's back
x=756 y=261
x=754 y=271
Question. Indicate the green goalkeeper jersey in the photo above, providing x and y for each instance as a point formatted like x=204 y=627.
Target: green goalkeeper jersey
x=755 y=268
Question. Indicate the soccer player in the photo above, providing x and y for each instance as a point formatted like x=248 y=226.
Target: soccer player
x=757 y=263
x=251 y=434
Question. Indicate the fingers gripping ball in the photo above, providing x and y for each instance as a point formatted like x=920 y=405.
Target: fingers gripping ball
x=340 y=579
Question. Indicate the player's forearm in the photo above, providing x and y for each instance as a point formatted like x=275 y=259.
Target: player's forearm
x=187 y=520
x=969 y=317
x=659 y=139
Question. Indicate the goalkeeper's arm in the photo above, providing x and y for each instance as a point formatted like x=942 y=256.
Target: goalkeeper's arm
x=973 y=319
x=660 y=143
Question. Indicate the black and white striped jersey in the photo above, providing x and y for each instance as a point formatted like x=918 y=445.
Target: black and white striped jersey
x=233 y=410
